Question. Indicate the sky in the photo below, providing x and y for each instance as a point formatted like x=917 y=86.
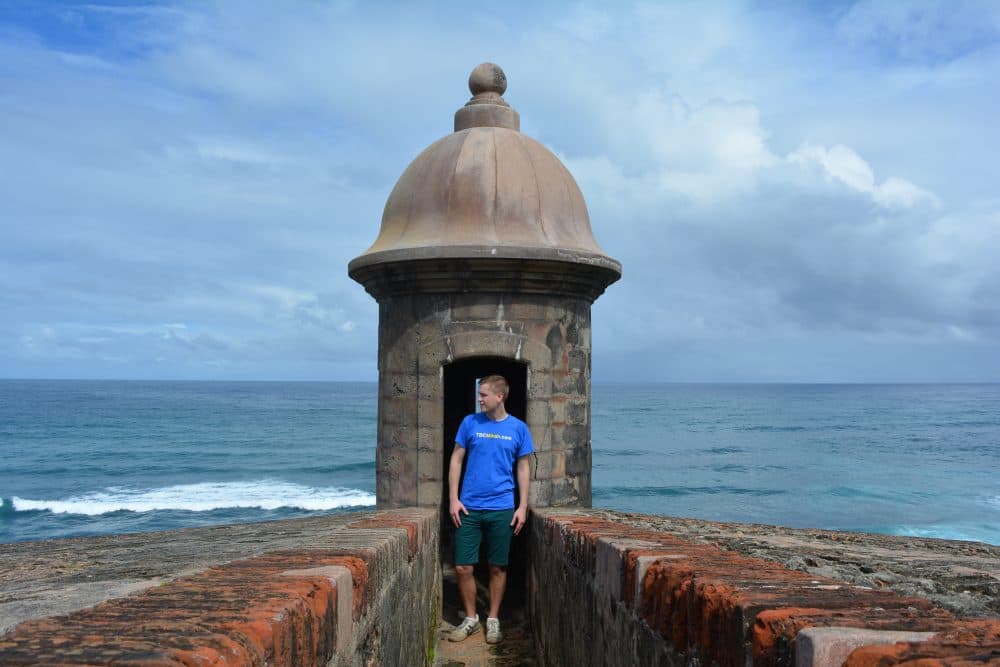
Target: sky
x=798 y=192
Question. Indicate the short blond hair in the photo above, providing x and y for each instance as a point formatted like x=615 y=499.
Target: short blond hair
x=497 y=383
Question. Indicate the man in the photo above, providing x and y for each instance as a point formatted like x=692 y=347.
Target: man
x=493 y=441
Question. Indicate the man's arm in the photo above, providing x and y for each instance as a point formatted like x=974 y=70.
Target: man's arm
x=455 y=506
x=523 y=486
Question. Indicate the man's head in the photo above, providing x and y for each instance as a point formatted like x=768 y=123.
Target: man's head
x=497 y=384
x=492 y=394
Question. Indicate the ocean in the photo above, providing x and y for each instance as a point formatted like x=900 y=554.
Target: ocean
x=105 y=457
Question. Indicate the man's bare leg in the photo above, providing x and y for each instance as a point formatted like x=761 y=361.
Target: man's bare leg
x=467 y=588
x=498 y=584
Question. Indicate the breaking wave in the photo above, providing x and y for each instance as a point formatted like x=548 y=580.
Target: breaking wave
x=202 y=497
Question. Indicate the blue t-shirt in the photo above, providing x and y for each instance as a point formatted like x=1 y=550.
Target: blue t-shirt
x=491 y=448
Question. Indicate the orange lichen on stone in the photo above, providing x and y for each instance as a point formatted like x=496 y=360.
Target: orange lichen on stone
x=631 y=564
x=359 y=575
x=204 y=656
x=245 y=612
x=718 y=627
x=966 y=644
x=774 y=630
x=664 y=601
x=720 y=604
x=395 y=520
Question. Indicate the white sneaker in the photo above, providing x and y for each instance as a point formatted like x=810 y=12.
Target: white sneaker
x=469 y=626
x=493 y=634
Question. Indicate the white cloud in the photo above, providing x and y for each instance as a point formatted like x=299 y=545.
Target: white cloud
x=846 y=166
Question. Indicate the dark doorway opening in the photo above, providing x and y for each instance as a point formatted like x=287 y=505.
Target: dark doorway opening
x=460 y=388
x=460 y=378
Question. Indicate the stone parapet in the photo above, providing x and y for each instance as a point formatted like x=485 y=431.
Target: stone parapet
x=606 y=590
x=338 y=599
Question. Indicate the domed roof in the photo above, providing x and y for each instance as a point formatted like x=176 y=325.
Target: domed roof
x=486 y=191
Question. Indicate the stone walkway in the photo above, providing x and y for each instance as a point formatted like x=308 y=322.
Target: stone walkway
x=516 y=650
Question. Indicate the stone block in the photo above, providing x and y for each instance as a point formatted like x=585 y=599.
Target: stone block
x=609 y=571
x=485 y=308
x=538 y=410
x=429 y=385
x=541 y=435
x=539 y=382
x=578 y=460
x=429 y=436
x=401 y=410
x=540 y=494
x=431 y=411
x=396 y=436
x=830 y=646
x=642 y=564
x=584 y=487
x=530 y=309
x=408 y=463
x=433 y=352
x=556 y=435
x=397 y=384
x=565 y=491
x=571 y=384
x=384 y=487
x=578 y=360
x=398 y=469
x=399 y=357
x=534 y=353
x=550 y=464
x=556 y=408
x=546 y=334
x=431 y=473
x=343 y=582
x=612 y=563
x=577 y=412
x=430 y=493
x=494 y=343
x=575 y=436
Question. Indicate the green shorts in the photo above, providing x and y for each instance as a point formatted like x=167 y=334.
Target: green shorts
x=494 y=525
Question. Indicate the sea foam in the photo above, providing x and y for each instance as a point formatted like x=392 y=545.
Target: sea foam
x=203 y=497
x=959 y=531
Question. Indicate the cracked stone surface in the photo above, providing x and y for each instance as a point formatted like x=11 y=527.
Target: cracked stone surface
x=963 y=577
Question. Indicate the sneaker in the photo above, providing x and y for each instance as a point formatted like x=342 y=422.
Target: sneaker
x=493 y=634
x=469 y=626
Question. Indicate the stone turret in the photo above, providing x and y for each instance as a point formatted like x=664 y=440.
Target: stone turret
x=485 y=263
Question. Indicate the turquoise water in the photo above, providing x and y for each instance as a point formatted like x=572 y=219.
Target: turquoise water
x=94 y=457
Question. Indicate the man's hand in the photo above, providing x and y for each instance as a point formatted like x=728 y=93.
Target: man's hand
x=523 y=486
x=456 y=507
x=456 y=510
x=520 y=518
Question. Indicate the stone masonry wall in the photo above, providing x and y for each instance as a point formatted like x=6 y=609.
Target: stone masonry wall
x=365 y=592
x=604 y=588
x=609 y=590
x=419 y=334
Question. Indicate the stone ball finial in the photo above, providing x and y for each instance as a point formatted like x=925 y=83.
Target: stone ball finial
x=487 y=108
x=487 y=78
